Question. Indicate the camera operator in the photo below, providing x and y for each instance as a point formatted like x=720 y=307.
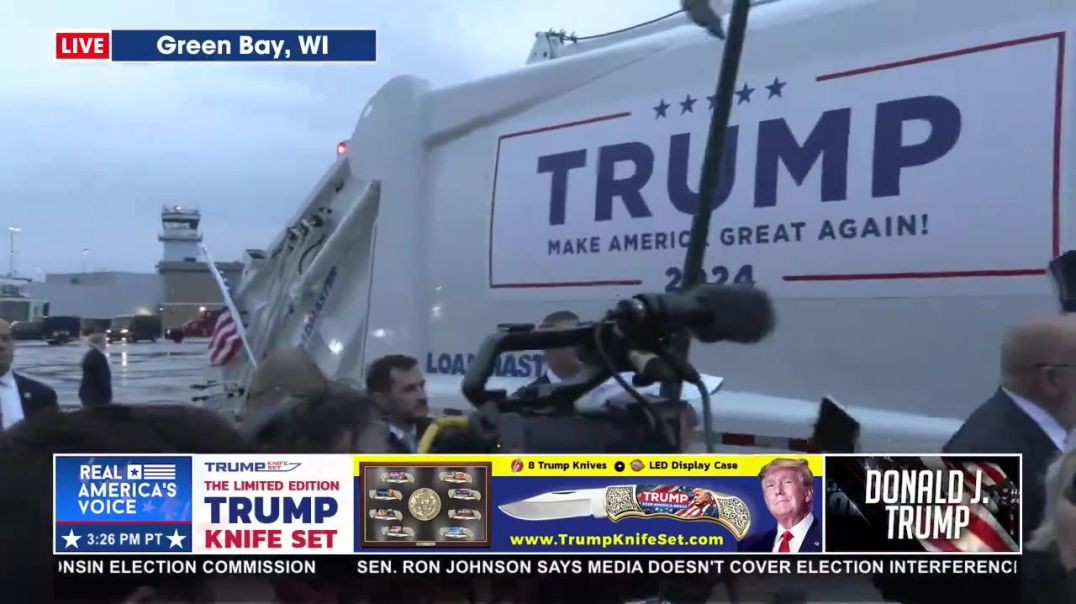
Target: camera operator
x=1055 y=539
x=560 y=363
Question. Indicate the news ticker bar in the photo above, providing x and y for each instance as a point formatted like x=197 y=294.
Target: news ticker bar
x=500 y=504
x=272 y=45
x=522 y=566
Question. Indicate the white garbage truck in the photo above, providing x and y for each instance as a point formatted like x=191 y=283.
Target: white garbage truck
x=893 y=176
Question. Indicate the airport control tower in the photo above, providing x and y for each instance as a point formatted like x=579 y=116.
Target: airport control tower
x=189 y=288
x=180 y=234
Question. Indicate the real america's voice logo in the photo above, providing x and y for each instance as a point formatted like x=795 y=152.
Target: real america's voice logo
x=122 y=504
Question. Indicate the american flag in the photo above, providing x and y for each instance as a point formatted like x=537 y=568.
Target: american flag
x=985 y=533
x=695 y=510
x=225 y=342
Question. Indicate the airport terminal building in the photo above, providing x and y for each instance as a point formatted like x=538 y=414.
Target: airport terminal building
x=180 y=289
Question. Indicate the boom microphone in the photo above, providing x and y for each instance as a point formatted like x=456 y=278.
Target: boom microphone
x=712 y=313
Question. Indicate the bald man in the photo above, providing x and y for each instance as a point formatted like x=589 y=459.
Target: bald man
x=1033 y=410
x=20 y=396
x=1030 y=413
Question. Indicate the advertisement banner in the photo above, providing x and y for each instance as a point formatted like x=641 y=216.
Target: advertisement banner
x=840 y=178
x=535 y=505
x=966 y=504
x=339 y=504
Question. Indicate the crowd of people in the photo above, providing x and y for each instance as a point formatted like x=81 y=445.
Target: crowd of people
x=292 y=407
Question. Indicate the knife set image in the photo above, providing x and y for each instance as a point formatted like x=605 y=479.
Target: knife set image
x=430 y=505
x=638 y=501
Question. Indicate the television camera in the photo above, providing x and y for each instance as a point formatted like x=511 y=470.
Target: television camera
x=632 y=338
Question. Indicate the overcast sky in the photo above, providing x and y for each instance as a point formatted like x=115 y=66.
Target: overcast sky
x=90 y=152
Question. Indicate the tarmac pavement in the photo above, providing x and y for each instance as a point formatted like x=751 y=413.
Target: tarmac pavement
x=142 y=373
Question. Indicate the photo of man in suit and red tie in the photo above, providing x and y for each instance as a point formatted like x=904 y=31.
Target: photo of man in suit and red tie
x=788 y=489
x=702 y=504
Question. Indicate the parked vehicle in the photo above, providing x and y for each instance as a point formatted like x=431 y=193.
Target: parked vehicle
x=869 y=182
x=61 y=329
x=26 y=330
x=95 y=326
x=134 y=328
x=202 y=327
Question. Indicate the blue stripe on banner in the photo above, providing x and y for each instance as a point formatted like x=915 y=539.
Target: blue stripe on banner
x=297 y=45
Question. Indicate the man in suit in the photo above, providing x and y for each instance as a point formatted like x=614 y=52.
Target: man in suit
x=788 y=488
x=399 y=391
x=1034 y=408
x=1030 y=413
x=560 y=363
x=20 y=396
x=96 y=386
x=702 y=504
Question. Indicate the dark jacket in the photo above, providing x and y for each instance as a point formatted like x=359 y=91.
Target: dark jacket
x=96 y=386
x=999 y=426
x=996 y=426
x=1051 y=584
x=763 y=542
x=396 y=445
x=35 y=396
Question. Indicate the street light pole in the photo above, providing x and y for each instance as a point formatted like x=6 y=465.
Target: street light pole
x=11 y=268
x=85 y=251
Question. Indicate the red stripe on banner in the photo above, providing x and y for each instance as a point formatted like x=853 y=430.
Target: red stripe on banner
x=958 y=467
x=120 y=522
x=981 y=528
x=994 y=472
x=938 y=56
x=944 y=545
x=969 y=472
x=988 y=534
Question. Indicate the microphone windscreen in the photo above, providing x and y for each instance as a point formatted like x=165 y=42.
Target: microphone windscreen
x=738 y=313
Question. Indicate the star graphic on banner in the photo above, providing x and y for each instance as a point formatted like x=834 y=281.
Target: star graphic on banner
x=660 y=109
x=713 y=100
x=775 y=88
x=174 y=508
x=744 y=94
x=148 y=506
x=175 y=539
x=71 y=539
x=125 y=470
x=134 y=472
x=687 y=104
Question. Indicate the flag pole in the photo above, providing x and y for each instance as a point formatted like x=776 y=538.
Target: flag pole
x=239 y=329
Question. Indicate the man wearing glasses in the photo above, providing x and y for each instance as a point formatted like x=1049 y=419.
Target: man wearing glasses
x=1031 y=413
x=1034 y=408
